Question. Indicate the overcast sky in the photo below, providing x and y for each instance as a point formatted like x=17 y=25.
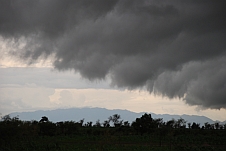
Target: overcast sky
x=146 y=55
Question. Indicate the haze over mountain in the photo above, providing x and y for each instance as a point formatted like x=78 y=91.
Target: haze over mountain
x=94 y=114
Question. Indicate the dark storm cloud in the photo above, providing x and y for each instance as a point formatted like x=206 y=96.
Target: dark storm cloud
x=203 y=83
x=137 y=43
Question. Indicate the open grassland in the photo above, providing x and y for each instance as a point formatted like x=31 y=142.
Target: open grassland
x=210 y=141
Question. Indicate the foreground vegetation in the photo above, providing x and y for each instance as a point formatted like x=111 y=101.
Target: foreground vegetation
x=145 y=133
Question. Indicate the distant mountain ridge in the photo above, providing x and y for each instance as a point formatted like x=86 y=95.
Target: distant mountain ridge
x=102 y=114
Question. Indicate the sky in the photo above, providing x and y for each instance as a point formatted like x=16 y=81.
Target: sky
x=165 y=57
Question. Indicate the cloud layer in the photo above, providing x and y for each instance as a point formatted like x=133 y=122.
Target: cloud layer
x=173 y=48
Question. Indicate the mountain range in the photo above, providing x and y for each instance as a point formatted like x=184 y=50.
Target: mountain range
x=102 y=114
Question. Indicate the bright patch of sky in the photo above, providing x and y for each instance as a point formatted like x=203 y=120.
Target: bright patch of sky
x=40 y=87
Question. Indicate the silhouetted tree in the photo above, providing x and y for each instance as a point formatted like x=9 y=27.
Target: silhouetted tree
x=106 y=123
x=212 y=126
x=115 y=119
x=97 y=124
x=9 y=127
x=144 y=124
x=88 y=124
x=81 y=122
x=158 y=123
x=189 y=125
x=47 y=127
x=224 y=126
x=217 y=125
x=44 y=119
x=195 y=125
x=126 y=123
x=180 y=123
x=221 y=127
x=6 y=118
x=171 y=123
x=207 y=125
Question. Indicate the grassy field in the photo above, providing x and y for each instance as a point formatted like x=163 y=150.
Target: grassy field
x=117 y=142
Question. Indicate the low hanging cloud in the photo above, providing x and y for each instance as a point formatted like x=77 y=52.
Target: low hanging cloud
x=173 y=48
x=199 y=83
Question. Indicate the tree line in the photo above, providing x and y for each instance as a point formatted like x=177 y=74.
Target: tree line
x=145 y=124
x=15 y=132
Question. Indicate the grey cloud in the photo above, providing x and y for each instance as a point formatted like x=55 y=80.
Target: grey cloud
x=50 y=18
x=136 y=43
x=199 y=83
